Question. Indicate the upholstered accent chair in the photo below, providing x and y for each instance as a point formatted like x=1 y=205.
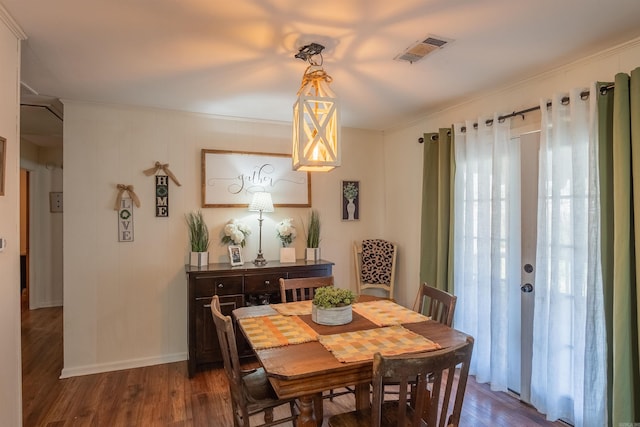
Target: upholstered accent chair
x=375 y=265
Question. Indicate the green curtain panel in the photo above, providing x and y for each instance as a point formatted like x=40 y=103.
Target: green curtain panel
x=436 y=243
x=619 y=152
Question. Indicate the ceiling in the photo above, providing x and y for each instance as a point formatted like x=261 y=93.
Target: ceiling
x=236 y=58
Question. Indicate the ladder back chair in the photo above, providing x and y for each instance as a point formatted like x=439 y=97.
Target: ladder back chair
x=303 y=288
x=375 y=265
x=251 y=392
x=433 y=404
x=437 y=304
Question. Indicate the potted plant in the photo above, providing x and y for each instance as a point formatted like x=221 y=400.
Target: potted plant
x=286 y=232
x=313 y=237
x=198 y=238
x=332 y=306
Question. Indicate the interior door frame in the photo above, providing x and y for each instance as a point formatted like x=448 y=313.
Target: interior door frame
x=25 y=235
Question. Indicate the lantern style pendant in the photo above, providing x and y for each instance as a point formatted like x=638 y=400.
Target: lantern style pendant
x=316 y=124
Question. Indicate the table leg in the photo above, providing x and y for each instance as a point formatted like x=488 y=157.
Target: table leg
x=307 y=417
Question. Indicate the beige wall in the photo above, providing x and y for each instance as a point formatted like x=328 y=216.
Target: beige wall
x=10 y=366
x=125 y=303
x=403 y=154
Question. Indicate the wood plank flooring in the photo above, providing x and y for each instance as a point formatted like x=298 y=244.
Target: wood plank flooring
x=163 y=395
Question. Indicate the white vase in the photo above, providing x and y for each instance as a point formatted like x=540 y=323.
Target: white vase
x=287 y=255
x=313 y=254
x=331 y=316
x=199 y=259
x=351 y=210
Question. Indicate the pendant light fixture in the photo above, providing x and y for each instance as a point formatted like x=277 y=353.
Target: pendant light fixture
x=316 y=117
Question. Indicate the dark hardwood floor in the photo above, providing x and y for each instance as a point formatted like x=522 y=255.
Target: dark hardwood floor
x=163 y=395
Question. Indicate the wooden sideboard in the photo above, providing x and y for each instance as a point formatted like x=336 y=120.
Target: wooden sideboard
x=237 y=287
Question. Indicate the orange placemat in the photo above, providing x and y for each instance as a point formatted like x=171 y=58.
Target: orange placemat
x=297 y=308
x=275 y=331
x=362 y=345
x=386 y=313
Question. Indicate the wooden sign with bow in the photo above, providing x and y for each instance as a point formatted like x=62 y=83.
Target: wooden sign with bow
x=162 y=187
x=124 y=206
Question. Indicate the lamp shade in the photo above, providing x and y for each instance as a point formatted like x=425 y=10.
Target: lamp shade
x=316 y=124
x=261 y=202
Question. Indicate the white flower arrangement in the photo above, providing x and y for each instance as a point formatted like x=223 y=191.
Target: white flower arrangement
x=235 y=232
x=350 y=191
x=286 y=231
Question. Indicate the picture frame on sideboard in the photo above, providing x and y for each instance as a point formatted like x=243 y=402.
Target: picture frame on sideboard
x=235 y=255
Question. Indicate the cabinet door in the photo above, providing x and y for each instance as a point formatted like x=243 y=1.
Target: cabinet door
x=207 y=346
x=265 y=288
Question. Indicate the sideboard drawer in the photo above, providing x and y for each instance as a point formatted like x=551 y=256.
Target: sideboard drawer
x=263 y=283
x=207 y=286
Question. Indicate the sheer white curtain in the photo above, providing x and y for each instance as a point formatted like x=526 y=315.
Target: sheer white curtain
x=486 y=242
x=569 y=366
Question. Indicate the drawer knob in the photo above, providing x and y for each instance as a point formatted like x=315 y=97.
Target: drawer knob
x=220 y=285
x=266 y=282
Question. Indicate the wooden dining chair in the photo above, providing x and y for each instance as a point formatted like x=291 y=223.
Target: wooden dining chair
x=375 y=265
x=303 y=288
x=251 y=392
x=431 y=401
x=438 y=304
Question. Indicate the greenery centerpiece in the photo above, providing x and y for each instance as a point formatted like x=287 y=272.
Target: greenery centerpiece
x=313 y=236
x=198 y=239
x=332 y=306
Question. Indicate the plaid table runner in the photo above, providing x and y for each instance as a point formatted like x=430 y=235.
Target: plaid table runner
x=275 y=331
x=362 y=345
x=386 y=313
x=298 y=308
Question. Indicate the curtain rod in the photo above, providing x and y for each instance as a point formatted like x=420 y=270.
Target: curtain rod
x=565 y=100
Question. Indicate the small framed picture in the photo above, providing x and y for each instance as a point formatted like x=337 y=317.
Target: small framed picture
x=350 y=200
x=235 y=255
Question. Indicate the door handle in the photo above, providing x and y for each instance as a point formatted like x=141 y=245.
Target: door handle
x=526 y=288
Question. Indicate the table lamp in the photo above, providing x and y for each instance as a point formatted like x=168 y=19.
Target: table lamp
x=261 y=202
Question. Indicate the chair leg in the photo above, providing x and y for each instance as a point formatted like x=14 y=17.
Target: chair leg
x=268 y=416
x=318 y=408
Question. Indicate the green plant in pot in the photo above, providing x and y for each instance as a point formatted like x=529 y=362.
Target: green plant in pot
x=198 y=239
x=313 y=237
x=332 y=306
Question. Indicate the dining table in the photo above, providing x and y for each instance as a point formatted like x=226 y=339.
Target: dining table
x=302 y=358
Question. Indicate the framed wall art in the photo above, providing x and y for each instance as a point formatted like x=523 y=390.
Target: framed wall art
x=230 y=178
x=3 y=166
x=350 y=200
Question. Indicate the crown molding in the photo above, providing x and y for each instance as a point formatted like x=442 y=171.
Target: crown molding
x=12 y=24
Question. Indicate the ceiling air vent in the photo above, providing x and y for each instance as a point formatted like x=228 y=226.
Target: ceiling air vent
x=422 y=48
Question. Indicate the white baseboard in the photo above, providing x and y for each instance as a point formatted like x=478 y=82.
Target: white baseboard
x=47 y=304
x=125 y=364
